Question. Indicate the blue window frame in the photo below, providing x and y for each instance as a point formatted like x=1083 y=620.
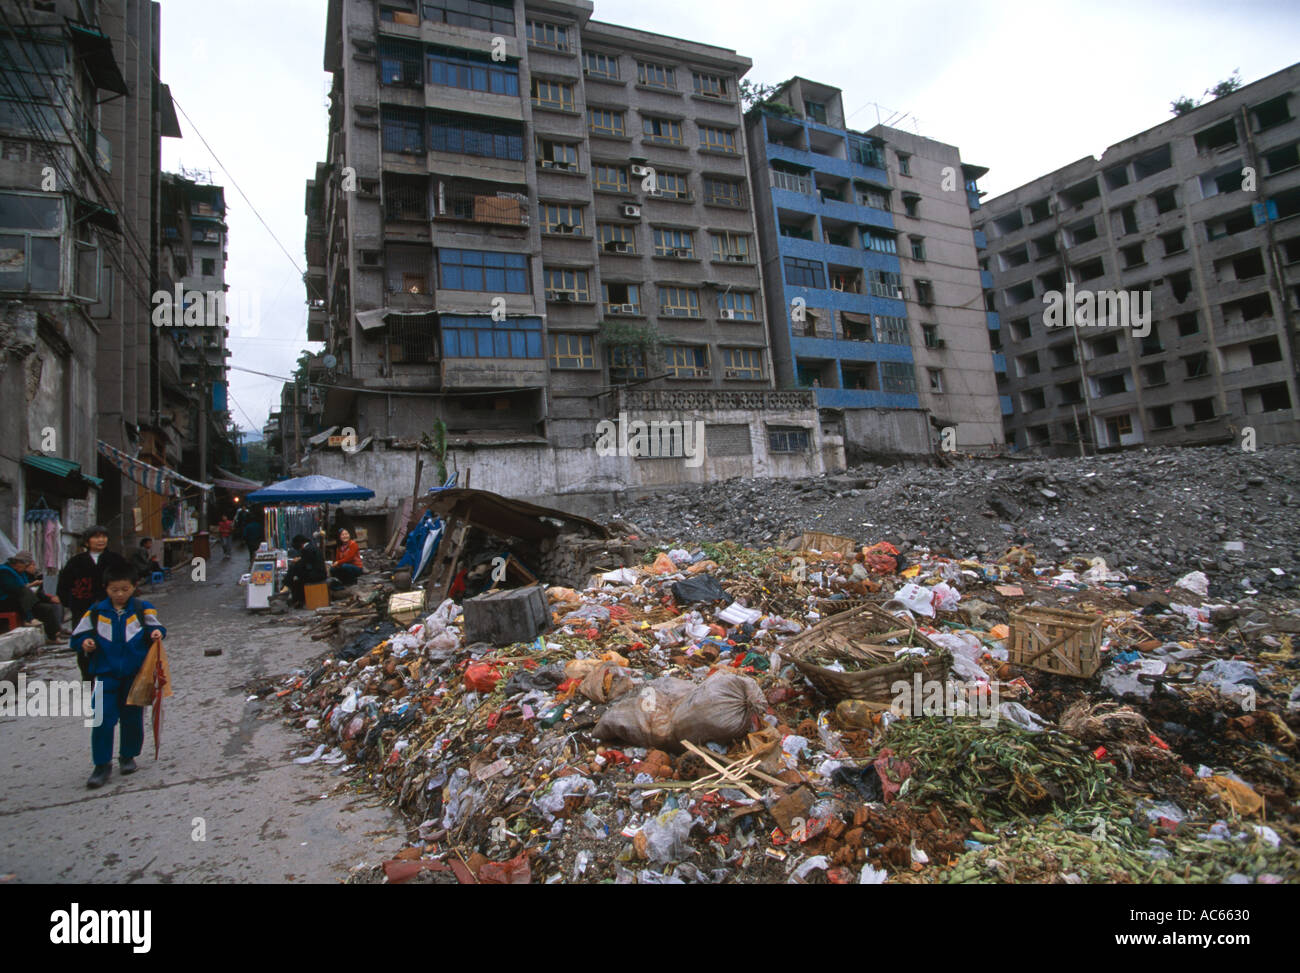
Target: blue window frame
x=805 y=273
x=481 y=337
x=472 y=71
x=471 y=135
x=483 y=270
x=403 y=128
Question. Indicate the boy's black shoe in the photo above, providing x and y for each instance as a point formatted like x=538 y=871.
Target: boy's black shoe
x=127 y=765
x=100 y=776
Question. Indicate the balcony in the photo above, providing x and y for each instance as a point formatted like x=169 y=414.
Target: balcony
x=795 y=184
x=469 y=206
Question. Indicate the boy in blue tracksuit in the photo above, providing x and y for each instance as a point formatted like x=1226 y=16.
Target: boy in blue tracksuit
x=115 y=635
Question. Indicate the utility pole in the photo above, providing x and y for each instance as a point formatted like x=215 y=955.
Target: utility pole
x=204 y=394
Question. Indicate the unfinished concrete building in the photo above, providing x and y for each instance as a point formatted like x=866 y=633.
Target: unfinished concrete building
x=1199 y=213
x=524 y=216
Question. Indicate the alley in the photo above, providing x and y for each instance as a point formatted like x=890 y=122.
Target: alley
x=222 y=760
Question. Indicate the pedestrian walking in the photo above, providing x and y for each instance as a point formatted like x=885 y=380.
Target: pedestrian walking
x=252 y=536
x=226 y=527
x=81 y=582
x=114 y=634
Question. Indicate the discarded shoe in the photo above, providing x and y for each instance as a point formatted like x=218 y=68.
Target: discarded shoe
x=127 y=765
x=100 y=776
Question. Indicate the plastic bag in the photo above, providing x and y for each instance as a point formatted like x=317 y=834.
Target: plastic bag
x=701 y=588
x=554 y=800
x=606 y=682
x=645 y=719
x=665 y=836
x=916 y=598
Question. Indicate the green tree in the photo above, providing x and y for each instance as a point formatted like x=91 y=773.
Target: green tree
x=1183 y=105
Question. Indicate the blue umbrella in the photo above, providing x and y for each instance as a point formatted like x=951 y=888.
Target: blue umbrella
x=310 y=489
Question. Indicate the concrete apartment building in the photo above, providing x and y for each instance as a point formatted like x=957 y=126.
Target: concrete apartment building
x=193 y=356
x=1201 y=213
x=874 y=291
x=81 y=117
x=526 y=219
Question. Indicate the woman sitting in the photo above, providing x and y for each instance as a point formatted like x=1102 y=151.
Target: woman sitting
x=347 y=562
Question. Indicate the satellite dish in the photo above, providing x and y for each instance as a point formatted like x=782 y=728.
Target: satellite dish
x=330 y=361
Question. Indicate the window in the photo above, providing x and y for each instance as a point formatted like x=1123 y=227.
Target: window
x=742 y=363
x=671 y=184
x=904 y=164
x=552 y=94
x=31 y=101
x=856 y=327
x=1202 y=409
x=597 y=65
x=874 y=198
x=400 y=63
x=472 y=71
x=1133 y=256
x=1187 y=325
x=621 y=298
x=866 y=153
x=561 y=218
x=606 y=121
x=717 y=139
x=674 y=243
x=209 y=267
x=557 y=155
x=494 y=16
x=930 y=335
x=686 y=361
x=30 y=236
x=880 y=241
x=1220 y=136
x=566 y=284
x=406 y=270
x=1271 y=113
x=723 y=192
x=402 y=128
x=1198 y=366
x=1166 y=200
x=733 y=247
x=661 y=130
x=892 y=330
x=787 y=439
x=740 y=304
x=804 y=273
x=612 y=178
x=1162 y=417
x=679 y=302
x=709 y=85
x=884 y=283
x=655 y=75
x=553 y=36
x=616 y=237
x=1279 y=160
x=626 y=362
x=572 y=351
x=473 y=135
x=815 y=111
x=410 y=340
x=485 y=271
x=936 y=380
x=912 y=205
x=464 y=336
x=918 y=248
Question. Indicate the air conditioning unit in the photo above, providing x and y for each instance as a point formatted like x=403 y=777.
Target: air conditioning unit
x=563 y=228
x=564 y=296
x=727 y=314
x=738 y=258
x=640 y=170
x=731 y=373
x=681 y=253
x=617 y=246
x=631 y=211
x=940 y=343
x=622 y=309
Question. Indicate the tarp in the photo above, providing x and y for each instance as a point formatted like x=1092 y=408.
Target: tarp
x=161 y=481
x=310 y=489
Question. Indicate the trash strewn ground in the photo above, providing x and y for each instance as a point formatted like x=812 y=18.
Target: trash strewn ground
x=678 y=723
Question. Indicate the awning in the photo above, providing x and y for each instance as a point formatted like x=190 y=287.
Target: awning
x=96 y=214
x=171 y=125
x=60 y=475
x=161 y=481
x=369 y=320
x=95 y=51
x=233 y=481
x=506 y=516
x=310 y=489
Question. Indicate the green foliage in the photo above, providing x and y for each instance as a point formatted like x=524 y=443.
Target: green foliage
x=629 y=334
x=1226 y=86
x=437 y=445
x=1183 y=105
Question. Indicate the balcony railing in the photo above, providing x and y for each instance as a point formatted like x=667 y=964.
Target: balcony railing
x=795 y=184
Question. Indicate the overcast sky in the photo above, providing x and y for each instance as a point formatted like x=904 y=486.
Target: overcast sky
x=1020 y=87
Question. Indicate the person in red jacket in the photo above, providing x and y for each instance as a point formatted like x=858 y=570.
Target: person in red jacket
x=347 y=560
x=226 y=527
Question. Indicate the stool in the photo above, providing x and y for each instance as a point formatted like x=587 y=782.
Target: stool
x=316 y=594
x=158 y=577
x=9 y=621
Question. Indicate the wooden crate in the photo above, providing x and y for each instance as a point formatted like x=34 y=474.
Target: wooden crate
x=1055 y=640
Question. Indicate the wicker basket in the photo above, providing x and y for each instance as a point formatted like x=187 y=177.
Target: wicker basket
x=1054 y=640
x=856 y=635
x=835 y=606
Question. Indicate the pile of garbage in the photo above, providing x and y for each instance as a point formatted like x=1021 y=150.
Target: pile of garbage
x=693 y=719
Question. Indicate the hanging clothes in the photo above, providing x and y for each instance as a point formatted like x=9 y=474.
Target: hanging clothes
x=51 y=559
